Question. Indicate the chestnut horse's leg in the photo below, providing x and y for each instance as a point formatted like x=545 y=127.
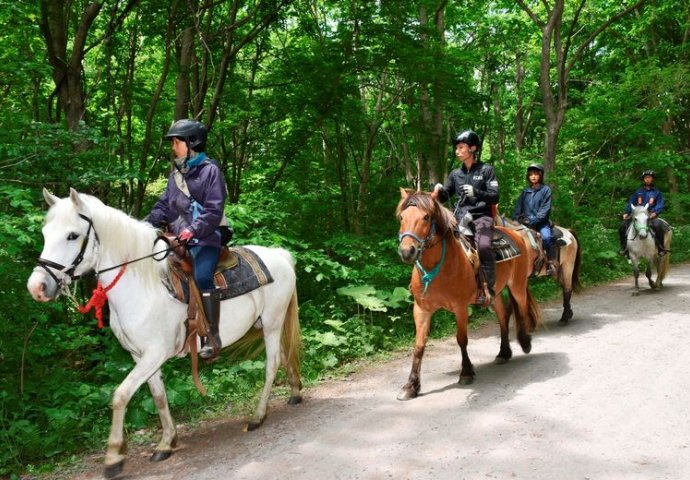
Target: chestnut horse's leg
x=467 y=372
x=505 y=353
x=422 y=322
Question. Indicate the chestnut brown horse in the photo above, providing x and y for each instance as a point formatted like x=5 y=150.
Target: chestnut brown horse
x=444 y=278
x=569 y=260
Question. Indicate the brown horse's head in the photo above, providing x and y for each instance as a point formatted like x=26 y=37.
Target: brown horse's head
x=422 y=218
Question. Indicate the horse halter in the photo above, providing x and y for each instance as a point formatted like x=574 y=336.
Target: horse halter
x=423 y=242
x=68 y=272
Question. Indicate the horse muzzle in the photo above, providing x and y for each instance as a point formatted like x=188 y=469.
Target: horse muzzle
x=42 y=287
x=410 y=253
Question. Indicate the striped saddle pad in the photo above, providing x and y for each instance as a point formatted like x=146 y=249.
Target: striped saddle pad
x=238 y=273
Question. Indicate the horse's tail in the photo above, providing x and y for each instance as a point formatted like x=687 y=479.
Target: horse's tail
x=291 y=345
x=576 y=267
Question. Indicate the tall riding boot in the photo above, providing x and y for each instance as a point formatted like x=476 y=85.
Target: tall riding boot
x=211 y=303
x=659 y=239
x=486 y=292
x=552 y=259
x=622 y=233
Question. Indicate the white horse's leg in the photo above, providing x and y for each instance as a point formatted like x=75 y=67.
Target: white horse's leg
x=636 y=273
x=272 y=340
x=648 y=272
x=169 y=437
x=142 y=371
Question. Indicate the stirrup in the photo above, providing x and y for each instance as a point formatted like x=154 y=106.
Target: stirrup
x=484 y=297
x=212 y=347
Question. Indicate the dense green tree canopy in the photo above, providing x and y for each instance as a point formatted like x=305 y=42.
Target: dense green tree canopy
x=319 y=111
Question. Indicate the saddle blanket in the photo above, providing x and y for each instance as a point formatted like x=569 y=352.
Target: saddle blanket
x=243 y=272
x=503 y=246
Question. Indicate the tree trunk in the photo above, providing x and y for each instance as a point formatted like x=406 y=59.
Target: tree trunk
x=67 y=67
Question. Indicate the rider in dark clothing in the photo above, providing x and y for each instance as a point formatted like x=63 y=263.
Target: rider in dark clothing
x=647 y=194
x=476 y=188
x=533 y=208
x=192 y=206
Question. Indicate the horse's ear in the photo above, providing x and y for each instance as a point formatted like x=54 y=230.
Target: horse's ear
x=404 y=192
x=74 y=195
x=632 y=206
x=49 y=197
x=434 y=194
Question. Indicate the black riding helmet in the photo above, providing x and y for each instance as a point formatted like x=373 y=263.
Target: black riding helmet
x=651 y=173
x=191 y=131
x=470 y=138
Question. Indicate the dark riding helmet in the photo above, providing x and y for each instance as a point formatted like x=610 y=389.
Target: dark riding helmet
x=468 y=137
x=536 y=166
x=191 y=131
x=651 y=173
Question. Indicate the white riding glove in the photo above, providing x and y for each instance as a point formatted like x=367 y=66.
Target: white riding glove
x=438 y=186
x=469 y=191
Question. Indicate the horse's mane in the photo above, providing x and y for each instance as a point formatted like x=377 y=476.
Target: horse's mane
x=127 y=238
x=445 y=220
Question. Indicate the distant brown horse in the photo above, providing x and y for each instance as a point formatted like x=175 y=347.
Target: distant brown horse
x=569 y=260
x=444 y=277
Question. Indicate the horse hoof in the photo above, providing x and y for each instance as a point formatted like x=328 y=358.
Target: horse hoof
x=563 y=322
x=294 y=400
x=407 y=394
x=500 y=360
x=253 y=425
x=114 y=470
x=526 y=343
x=160 y=455
x=466 y=380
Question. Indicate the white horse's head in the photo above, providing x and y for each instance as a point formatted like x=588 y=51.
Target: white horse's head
x=69 y=246
x=640 y=219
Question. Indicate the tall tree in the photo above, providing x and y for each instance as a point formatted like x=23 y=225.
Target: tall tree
x=559 y=37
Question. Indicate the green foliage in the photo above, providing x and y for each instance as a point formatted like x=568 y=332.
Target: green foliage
x=322 y=117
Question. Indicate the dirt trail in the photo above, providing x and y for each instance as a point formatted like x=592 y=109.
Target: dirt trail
x=603 y=398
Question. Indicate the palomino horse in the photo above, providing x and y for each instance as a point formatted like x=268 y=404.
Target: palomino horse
x=83 y=235
x=641 y=245
x=444 y=277
x=569 y=260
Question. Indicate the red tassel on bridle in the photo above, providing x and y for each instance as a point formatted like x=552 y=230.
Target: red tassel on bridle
x=99 y=297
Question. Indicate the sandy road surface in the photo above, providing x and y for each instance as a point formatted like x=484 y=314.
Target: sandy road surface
x=607 y=397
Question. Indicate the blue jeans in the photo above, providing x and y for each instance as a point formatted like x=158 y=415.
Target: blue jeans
x=204 y=259
x=546 y=237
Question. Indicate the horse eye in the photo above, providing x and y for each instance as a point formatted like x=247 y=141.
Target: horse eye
x=427 y=218
x=72 y=236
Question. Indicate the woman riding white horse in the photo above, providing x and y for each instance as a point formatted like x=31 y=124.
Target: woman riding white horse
x=83 y=235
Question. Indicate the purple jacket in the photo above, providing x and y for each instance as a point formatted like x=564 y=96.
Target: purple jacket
x=207 y=186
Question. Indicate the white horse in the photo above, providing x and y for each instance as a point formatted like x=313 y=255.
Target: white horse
x=641 y=245
x=83 y=235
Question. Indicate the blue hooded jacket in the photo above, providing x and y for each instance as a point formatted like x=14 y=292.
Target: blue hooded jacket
x=642 y=196
x=207 y=187
x=535 y=204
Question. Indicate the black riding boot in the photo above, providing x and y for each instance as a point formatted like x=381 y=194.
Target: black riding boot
x=659 y=239
x=211 y=303
x=622 y=238
x=486 y=292
x=552 y=260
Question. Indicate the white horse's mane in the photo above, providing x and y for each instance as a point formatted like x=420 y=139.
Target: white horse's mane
x=125 y=238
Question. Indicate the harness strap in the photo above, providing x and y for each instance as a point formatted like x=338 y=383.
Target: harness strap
x=429 y=276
